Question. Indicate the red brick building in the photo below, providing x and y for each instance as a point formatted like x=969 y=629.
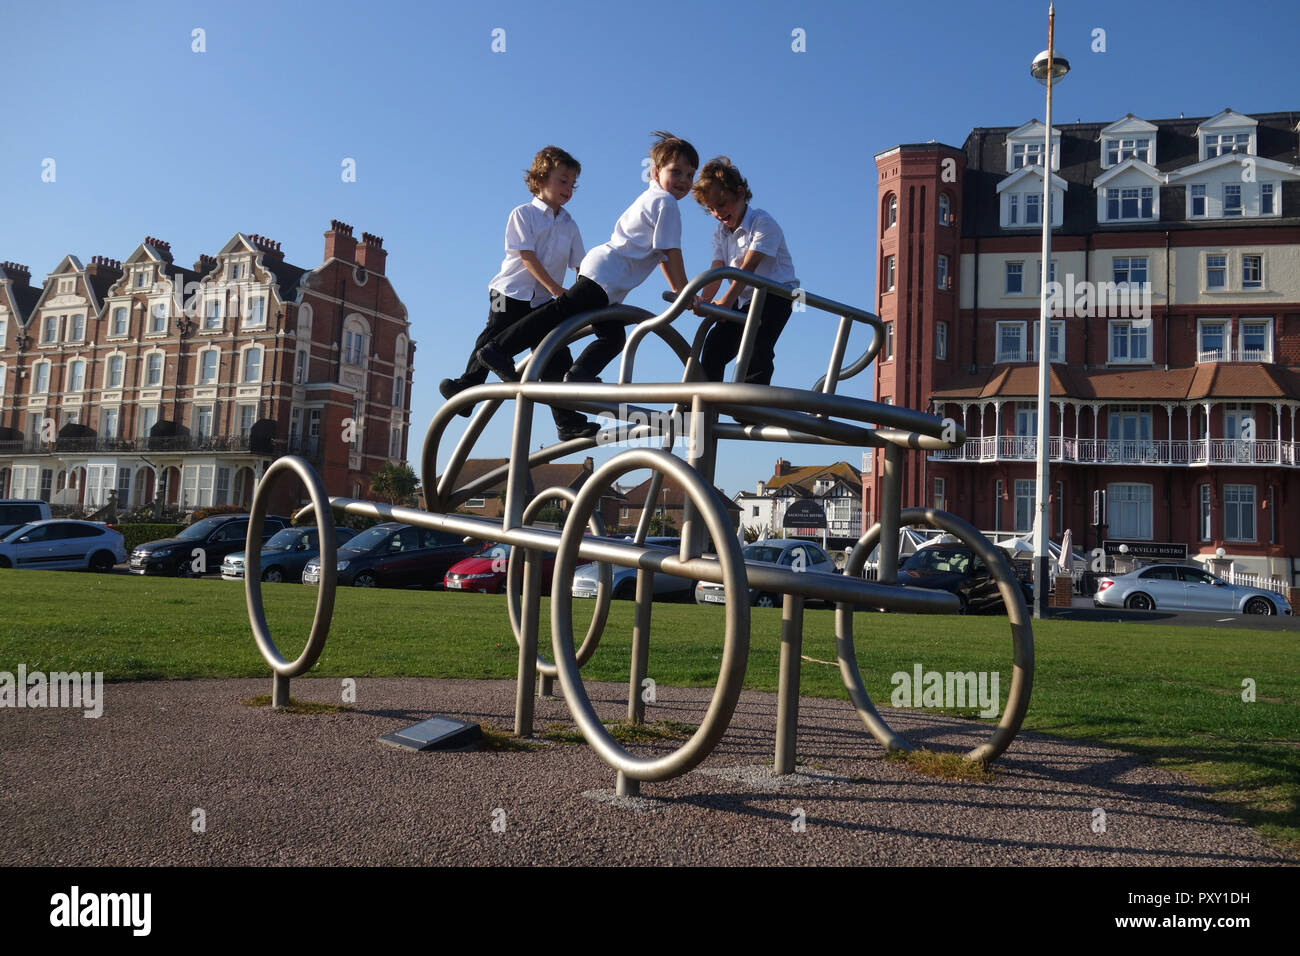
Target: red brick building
x=1175 y=340
x=146 y=379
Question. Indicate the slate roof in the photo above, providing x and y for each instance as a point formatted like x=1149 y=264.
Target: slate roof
x=1220 y=380
x=1176 y=147
x=805 y=476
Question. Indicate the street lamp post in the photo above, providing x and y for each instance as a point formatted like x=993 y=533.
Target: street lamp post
x=1047 y=68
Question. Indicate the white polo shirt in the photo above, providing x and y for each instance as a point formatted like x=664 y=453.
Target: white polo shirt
x=642 y=237
x=553 y=237
x=757 y=231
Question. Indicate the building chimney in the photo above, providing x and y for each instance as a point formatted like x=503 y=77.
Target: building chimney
x=762 y=487
x=371 y=254
x=339 y=243
x=164 y=249
x=269 y=248
x=19 y=275
x=104 y=266
x=782 y=466
x=205 y=263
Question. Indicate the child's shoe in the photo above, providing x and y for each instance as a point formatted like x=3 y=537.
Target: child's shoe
x=450 y=387
x=493 y=358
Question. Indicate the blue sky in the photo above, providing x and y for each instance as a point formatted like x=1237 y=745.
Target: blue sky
x=152 y=138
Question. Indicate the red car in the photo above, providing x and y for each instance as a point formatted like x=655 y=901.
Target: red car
x=485 y=572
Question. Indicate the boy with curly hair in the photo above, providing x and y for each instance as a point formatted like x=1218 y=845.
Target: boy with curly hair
x=649 y=233
x=542 y=242
x=746 y=238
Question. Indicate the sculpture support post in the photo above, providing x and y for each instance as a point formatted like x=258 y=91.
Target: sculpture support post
x=787 y=695
x=532 y=599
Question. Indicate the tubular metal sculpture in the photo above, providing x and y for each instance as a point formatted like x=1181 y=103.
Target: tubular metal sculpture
x=786 y=414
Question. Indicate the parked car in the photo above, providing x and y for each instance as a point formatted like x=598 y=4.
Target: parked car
x=63 y=544
x=285 y=554
x=395 y=555
x=16 y=512
x=667 y=587
x=485 y=572
x=957 y=569
x=217 y=537
x=1178 y=587
x=784 y=552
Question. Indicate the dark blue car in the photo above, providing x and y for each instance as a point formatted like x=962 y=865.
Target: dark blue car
x=285 y=555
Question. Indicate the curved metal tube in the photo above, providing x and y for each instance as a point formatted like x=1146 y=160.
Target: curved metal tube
x=1022 y=637
x=735 y=650
x=329 y=559
x=604 y=584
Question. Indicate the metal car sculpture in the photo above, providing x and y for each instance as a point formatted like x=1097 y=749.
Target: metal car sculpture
x=651 y=411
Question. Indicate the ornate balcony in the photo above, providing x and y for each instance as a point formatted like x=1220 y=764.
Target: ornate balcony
x=1093 y=451
x=169 y=444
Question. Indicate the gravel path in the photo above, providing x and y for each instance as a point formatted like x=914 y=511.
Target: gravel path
x=278 y=788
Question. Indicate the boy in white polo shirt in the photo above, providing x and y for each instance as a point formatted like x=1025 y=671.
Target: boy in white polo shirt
x=542 y=242
x=649 y=233
x=746 y=238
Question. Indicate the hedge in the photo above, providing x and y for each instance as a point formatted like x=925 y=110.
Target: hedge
x=135 y=535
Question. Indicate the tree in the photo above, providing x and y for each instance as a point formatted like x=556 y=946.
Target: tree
x=661 y=525
x=394 y=483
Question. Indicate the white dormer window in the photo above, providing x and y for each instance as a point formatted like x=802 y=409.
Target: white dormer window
x=1118 y=150
x=1025 y=147
x=1021 y=199
x=65 y=286
x=141 y=278
x=1128 y=138
x=1225 y=134
x=1130 y=203
x=1196 y=195
x=236 y=271
x=1026 y=154
x=1219 y=144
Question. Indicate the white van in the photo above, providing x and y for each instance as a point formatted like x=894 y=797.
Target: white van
x=16 y=512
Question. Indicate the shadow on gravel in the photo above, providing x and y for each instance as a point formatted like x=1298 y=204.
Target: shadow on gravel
x=775 y=808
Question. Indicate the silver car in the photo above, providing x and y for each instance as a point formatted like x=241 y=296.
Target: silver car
x=62 y=544
x=666 y=586
x=1180 y=587
x=784 y=552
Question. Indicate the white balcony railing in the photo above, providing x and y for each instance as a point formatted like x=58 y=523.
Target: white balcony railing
x=1093 y=451
x=1229 y=354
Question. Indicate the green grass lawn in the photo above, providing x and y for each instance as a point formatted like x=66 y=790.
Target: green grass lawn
x=1170 y=694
